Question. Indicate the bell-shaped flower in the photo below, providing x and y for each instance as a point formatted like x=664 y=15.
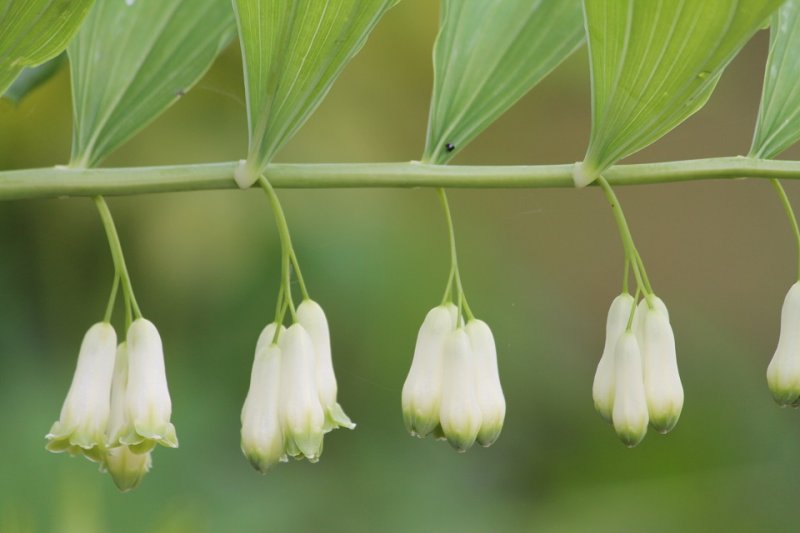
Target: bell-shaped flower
x=662 y=382
x=81 y=428
x=489 y=391
x=125 y=467
x=301 y=413
x=311 y=316
x=629 y=416
x=460 y=412
x=422 y=390
x=604 y=377
x=783 y=373
x=147 y=399
x=262 y=436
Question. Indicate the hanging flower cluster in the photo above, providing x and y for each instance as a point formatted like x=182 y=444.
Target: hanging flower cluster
x=118 y=407
x=291 y=402
x=453 y=388
x=637 y=380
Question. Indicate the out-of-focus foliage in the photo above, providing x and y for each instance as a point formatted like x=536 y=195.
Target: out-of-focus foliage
x=32 y=77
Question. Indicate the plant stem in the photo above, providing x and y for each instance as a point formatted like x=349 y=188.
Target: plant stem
x=787 y=207
x=455 y=275
x=112 y=299
x=631 y=253
x=57 y=182
x=288 y=257
x=116 y=254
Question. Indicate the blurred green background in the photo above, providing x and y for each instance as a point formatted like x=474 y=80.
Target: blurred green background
x=540 y=266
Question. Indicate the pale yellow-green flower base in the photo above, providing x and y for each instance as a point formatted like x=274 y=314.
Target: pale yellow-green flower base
x=141 y=439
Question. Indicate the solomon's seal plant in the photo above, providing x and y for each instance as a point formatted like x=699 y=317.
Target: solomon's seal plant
x=652 y=65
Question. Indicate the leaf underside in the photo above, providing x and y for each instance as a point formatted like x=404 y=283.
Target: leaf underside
x=132 y=60
x=32 y=77
x=33 y=31
x=487 y=56
x=292 y=54
x=778 y=124
x=654 y=64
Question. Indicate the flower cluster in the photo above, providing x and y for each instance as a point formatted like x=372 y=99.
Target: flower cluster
x=291 y=402
x=783 y=372
x=118 y=405
x=453 y=387
x=637 y=381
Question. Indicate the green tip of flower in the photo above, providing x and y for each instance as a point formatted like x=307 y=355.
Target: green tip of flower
x=664 y=424
x=631 y=438
x=335 y=417
x=461 y=443
x=487 y=437
x=786 y=397
x=438 y=433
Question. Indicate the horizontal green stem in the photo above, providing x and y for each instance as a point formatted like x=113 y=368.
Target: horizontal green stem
x=55 y=182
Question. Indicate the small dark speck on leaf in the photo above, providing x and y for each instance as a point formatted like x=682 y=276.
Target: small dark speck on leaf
x=450 y=147
x=179 y=93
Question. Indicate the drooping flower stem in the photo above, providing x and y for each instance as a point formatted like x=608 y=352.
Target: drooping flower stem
x=787 y=207
x=117 y=256
x=112 y=299
x=631 y=253
x=288 y=259
x=455 y=275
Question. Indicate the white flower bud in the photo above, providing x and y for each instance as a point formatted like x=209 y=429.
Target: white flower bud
x=147 y=400
x=783 y=373
x=301 y=413
x=460 y=413
x=490 y=393
x=81 y=428
x=312 y=318
x=125 y=467
x=262 y=436
x=422 y=390
x=630 y=415
x=662 y=382
x=603 y=386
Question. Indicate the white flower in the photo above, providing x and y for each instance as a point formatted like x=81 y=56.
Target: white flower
x=311 y=316
x=262 y=436
x=125 y=467
x=147 y=400
x=460 y=413
x=662 y=382
x=783 y=373
x=490 y=393
x=603 y=386
x=301 y=413
x=422 y=390
x=81 y=428
x=630 y=415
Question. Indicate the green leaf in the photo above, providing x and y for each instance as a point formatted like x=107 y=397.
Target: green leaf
x=292 y=53
x=32 y=77
x=487 y=56
x=33 y=31
x=654 y=63
x=778 y=125
x=134 y=58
